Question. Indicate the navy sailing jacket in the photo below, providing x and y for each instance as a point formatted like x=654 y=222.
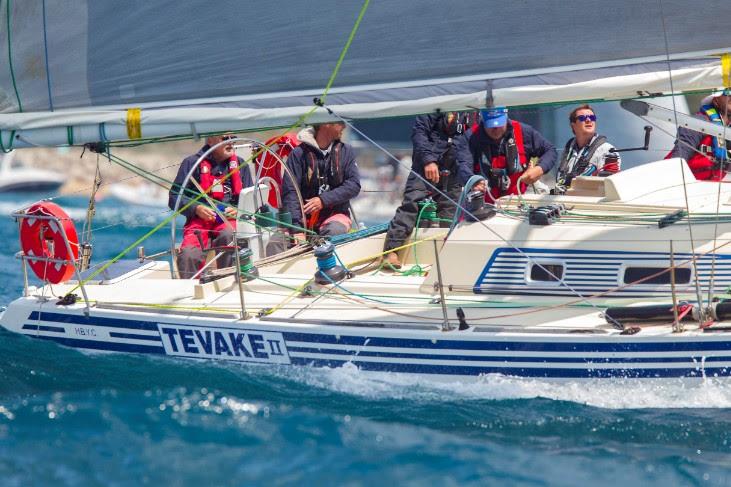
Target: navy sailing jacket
x=431 y=144
x=218 y=168
x=343 y=185
x=478 y=142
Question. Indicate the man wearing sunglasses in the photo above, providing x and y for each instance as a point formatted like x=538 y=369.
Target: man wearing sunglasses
x=501 y=149
x=222 y=175
x=707 y=156
x=586 y=153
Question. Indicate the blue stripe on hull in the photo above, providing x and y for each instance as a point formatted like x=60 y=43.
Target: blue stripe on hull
x=55 y=329
x=586 y=372
x=508 y=346
x=99 y=345
x=93 y=321
x=675 y=345
x=516 y=371
x=354 y=354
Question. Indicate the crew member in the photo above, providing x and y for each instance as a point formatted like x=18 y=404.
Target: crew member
x=219 y=174
x=586 y=153
x=707 y=156
x=500 y=149
x=434 y=159
x=327 y=176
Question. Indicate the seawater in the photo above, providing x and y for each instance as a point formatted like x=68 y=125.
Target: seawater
x=73 y=418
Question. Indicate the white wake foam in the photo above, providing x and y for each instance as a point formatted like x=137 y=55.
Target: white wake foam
x=604 y=393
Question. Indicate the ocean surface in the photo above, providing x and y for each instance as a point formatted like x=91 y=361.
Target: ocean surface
x=72 y=418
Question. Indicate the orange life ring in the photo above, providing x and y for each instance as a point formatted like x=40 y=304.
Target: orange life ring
x=44 y=238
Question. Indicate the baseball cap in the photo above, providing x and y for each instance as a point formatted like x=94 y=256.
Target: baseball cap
x=494 y=117
x=707 y=100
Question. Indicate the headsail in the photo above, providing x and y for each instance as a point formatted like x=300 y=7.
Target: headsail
x=250 y=65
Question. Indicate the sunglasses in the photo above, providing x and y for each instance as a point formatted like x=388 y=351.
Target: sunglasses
x=584 y=118
x=228 y=137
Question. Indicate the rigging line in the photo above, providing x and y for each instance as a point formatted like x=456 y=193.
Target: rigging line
x=345 y=49
x=148 y=234
x=193 y=201
x=10 y=55
x=466 y=211
x=666 y=132
x=167 y=184
x=718 y=205
x=722 y=169
x=311 y=304
x=45 y=50
x=140 y=171
x=86 y=231
x=699 y=296
x=136 y=175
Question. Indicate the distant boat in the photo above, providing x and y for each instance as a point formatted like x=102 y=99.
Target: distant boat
x=141 y=194
x=14 y=176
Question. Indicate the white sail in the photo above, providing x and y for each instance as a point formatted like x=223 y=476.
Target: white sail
x=73 y=72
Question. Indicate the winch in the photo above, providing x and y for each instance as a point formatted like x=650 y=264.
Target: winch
x=328 y=270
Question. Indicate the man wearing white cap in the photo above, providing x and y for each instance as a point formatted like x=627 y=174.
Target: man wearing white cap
x=500 y=149
x=707 y=156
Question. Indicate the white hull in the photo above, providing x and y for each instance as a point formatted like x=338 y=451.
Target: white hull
x=428 y=351
x=515 y=322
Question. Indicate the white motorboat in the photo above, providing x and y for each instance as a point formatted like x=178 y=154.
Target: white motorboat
x=14 y=176
x=145 y=194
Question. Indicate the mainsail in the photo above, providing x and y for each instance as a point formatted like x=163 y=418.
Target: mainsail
x=105 y=70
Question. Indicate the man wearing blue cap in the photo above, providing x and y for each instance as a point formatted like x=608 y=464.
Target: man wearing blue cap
x=501 y=149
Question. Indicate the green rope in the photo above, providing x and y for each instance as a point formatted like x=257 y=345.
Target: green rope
x=345 y=49
x=416 y=269
x=167 y=184
x=193 y=201
x=10 y=57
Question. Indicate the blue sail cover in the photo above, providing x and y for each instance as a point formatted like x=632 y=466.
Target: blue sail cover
x=260 y=64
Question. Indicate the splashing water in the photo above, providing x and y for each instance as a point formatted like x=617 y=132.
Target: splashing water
x=73 y=418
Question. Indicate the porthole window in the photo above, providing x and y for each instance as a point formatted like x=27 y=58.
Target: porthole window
x=632 y=274
x=544 y=272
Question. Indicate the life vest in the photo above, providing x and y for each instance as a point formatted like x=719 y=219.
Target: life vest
x=708 y=164
x=452 y=124
x=214 y=184
x=321 y=179
x=581 y=166
x=503 y=171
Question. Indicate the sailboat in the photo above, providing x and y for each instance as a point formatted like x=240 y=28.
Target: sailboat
x=622 y=277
